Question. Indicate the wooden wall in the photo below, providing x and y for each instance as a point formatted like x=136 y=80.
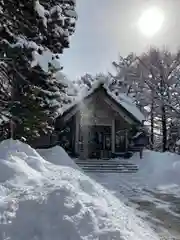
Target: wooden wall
x=96 y=112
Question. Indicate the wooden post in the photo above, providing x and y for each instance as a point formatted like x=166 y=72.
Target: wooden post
x=77 y=133
x=85 y=142
x=113 y=136
x=126 y=139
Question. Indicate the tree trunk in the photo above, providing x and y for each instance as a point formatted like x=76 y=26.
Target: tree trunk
x=164 y=129
x=152 y=126
x=163 y=108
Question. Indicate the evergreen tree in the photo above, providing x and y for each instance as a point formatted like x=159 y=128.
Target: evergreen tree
x=27 y=29
x=36 y=97
x=43 y=23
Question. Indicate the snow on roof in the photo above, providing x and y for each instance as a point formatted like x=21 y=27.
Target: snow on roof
x=125 y=101
x=40 y=200
x=78 y=99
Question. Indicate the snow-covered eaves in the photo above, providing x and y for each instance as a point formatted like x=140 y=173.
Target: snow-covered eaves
x=128 y=104
x=124 y=101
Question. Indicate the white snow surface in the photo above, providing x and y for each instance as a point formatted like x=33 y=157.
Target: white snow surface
x=22 y=42
x=71 y=13
x=58 y=156
x=178 y=142
x=128 y=104
x=157 y=172
x=43 y=201
x=44 y=59
x=157 y=169
x=154 y=190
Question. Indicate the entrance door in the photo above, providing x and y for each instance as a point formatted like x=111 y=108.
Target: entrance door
x=94 y=142
x=99 y=141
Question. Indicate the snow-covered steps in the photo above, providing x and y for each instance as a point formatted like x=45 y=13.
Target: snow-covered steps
x=95 y=165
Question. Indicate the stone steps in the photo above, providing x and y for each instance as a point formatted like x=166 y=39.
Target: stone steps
x=105 y=166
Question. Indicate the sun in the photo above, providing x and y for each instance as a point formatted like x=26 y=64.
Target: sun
x=151 y=21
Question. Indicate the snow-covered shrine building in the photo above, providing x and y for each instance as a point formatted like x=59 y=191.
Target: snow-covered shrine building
x=97 y=124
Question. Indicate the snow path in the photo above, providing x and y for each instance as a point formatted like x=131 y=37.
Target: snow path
x=153 y=191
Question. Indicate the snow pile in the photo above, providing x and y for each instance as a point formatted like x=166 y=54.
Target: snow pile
x=172 y=189
x=42 y=201
x=157 y=173
x=58 y=156
x=156 y=169
x=19 y=161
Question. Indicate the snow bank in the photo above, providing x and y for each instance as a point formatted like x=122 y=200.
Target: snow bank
x=172 y=189
x=58 y=156
x=19 y=161
x=43 y=201
x=156 y=169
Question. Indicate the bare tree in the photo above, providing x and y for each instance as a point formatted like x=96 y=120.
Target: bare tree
x=153 y=80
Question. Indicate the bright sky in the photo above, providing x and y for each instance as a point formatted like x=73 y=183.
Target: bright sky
x=106 y=28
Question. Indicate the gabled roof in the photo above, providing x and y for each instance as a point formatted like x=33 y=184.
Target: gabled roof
x=122 y=101
x=128 y=104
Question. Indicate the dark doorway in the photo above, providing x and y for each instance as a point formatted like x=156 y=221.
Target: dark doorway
x=120 y=142
x=99 y=145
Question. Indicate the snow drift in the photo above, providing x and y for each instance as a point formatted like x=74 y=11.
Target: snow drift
x=158 y=172
x=158 y=168
x=43 y=201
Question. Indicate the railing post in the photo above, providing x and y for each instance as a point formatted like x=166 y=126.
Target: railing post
x=126 y=139
x=113 y=136
x=77 y=133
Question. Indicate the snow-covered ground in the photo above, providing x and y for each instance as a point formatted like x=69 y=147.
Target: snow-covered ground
x=44 y=201
x=154 y=191
x=45 y=196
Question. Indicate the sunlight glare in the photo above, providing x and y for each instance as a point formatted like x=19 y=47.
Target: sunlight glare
x=151 y=21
